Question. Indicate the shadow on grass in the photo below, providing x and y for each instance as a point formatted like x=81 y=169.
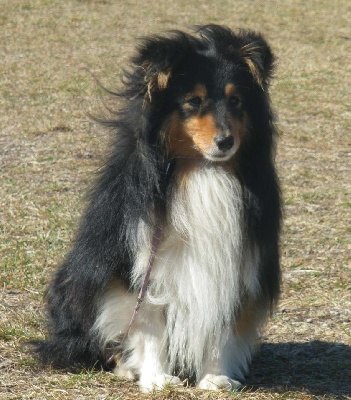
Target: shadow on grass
x=319 y=368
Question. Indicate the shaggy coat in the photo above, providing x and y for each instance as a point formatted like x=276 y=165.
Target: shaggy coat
x=194 y=156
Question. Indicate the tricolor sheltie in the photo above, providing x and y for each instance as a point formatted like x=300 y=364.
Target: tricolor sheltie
x=193 y=164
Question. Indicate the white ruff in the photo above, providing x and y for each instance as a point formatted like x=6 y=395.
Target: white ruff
x=198 y=272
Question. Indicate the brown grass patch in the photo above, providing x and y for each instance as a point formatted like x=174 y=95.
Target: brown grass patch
x=49 y=150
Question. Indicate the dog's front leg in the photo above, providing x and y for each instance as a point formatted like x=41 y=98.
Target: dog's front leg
x=154 y=369
x=224 y=369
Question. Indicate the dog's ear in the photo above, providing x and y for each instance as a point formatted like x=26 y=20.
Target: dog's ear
x=258 y=56
x=157 y=58
x=250 y=46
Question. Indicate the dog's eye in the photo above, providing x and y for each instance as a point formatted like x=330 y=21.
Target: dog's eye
x=234 y=101
x=194 y=102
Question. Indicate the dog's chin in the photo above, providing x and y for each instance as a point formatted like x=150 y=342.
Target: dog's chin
x=220 y=156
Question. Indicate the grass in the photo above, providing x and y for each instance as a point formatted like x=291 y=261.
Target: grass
x=49 y=150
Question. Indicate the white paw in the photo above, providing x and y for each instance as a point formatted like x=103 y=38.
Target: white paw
x=123 y=373
x=158 y=382
x=219 y=382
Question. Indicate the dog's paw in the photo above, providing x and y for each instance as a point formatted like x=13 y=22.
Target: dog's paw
x=158 y=382
x=219 y=382
x=123 y=373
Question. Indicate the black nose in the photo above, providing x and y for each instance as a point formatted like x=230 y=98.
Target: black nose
x=224 y=142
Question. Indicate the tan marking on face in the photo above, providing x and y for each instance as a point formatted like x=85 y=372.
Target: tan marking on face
x=229 y=90
x=180 y=144
x=202 y=130
x=195 y=136
x=238 y=128
x=199 y=90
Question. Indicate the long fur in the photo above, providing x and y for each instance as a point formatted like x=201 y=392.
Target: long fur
x=216 y=275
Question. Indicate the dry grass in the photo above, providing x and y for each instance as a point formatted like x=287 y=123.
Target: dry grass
x=49 y=149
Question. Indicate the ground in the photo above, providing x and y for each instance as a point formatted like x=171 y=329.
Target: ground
x=52 y=54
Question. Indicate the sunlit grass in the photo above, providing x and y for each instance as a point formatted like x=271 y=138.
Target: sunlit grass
x=49 y=150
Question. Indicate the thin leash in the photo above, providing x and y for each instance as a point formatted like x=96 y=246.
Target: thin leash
x=154 y=246
x=142 y=292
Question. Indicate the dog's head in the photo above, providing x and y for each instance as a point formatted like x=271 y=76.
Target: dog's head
x=205 y=89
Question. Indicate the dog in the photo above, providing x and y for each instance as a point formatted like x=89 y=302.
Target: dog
x=192 y=169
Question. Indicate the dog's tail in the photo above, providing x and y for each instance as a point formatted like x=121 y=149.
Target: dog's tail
x=70 y=352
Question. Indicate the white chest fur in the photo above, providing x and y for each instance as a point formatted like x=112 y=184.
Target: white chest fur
x=201 y=268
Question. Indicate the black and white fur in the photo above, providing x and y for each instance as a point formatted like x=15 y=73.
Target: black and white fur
x=216 y=273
